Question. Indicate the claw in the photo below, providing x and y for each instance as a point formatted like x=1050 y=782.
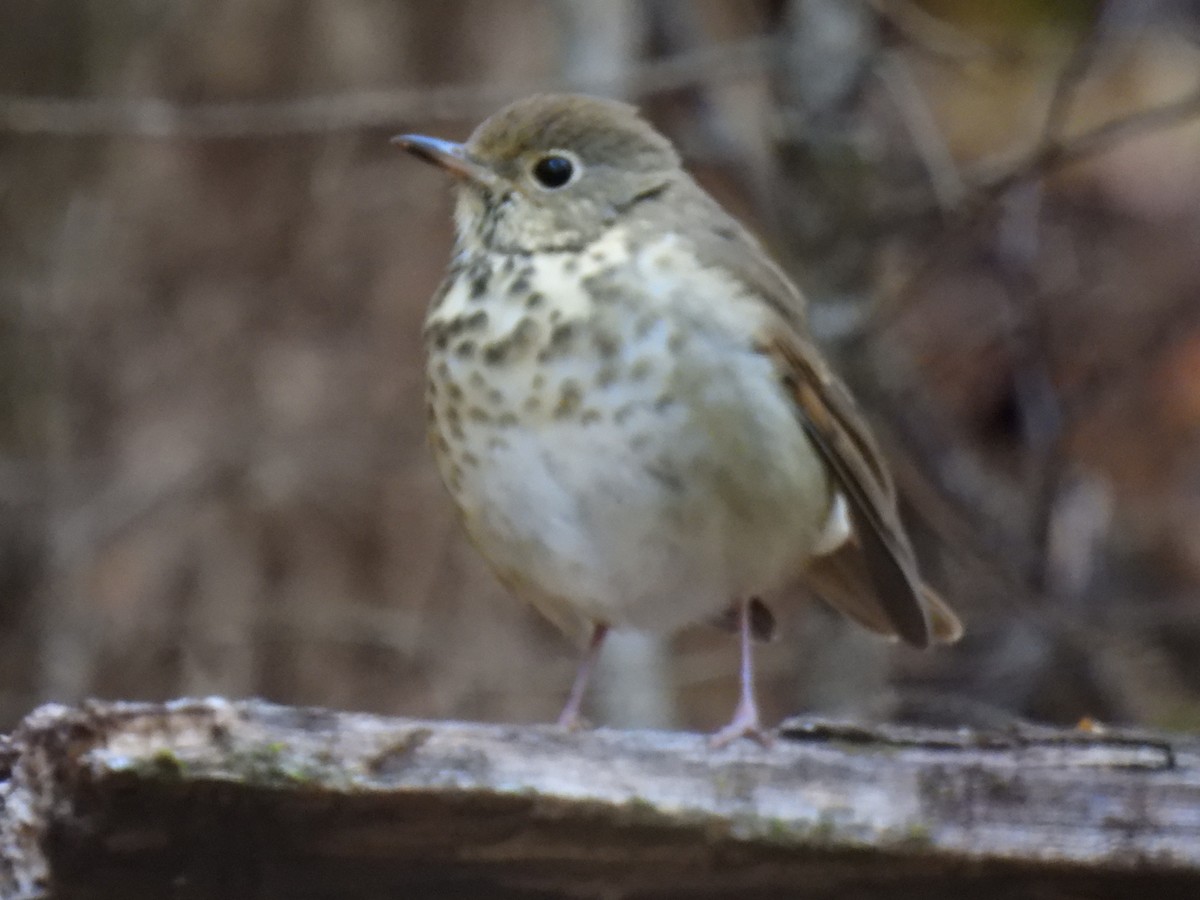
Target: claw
x=744 y=724
x=571 y=720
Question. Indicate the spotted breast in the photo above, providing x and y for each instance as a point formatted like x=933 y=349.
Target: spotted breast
x=608 y=438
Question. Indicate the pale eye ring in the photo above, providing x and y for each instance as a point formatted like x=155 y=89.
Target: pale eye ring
x=554 y=171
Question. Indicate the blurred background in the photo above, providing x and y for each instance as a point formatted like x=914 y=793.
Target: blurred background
x=214 y=268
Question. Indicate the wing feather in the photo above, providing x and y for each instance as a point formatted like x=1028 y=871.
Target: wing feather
x=873 y=576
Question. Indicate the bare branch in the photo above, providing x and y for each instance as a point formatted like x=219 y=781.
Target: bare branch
x=929 y=33
x=922 y=126
x=365 y=109
x=1074 y=73
x=986 y=183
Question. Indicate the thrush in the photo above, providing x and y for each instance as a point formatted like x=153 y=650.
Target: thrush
x=626 y=405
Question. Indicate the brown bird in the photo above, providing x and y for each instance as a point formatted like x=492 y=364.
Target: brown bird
x=627 y=408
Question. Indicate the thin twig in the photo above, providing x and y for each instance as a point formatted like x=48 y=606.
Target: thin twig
x=987 y=183
x=149 y=118
x=930 y=34
x=1072 y=76
x=922 y=127
x=1104 y=137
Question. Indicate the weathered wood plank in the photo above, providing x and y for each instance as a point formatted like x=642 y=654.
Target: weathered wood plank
x=209 y=798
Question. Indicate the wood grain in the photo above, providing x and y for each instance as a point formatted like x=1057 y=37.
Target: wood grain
x=210 y=798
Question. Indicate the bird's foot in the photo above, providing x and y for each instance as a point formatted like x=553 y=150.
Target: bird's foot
x=570 y=720
x=745 y=724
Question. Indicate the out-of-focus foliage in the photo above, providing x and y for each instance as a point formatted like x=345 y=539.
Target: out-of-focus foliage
x=212 y=471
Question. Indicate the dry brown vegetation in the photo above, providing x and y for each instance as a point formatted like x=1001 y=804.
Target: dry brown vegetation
x=213 y=270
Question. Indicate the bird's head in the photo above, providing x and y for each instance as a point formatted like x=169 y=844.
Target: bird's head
x=551 y=172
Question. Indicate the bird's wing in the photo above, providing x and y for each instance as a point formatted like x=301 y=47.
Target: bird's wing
x=871 y=577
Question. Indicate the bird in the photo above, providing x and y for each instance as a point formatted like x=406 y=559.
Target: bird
x=628 y=409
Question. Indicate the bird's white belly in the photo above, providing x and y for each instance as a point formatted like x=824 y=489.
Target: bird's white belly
x=653 y=513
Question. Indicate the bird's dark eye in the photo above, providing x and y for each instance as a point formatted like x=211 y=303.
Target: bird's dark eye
x=553 y=171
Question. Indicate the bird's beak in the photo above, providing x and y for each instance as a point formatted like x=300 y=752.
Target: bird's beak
x=446 y=155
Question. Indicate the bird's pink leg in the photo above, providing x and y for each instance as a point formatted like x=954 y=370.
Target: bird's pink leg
x=569 y=717
x=745 y=721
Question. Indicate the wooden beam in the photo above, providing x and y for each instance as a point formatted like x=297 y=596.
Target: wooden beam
x=208 y=799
